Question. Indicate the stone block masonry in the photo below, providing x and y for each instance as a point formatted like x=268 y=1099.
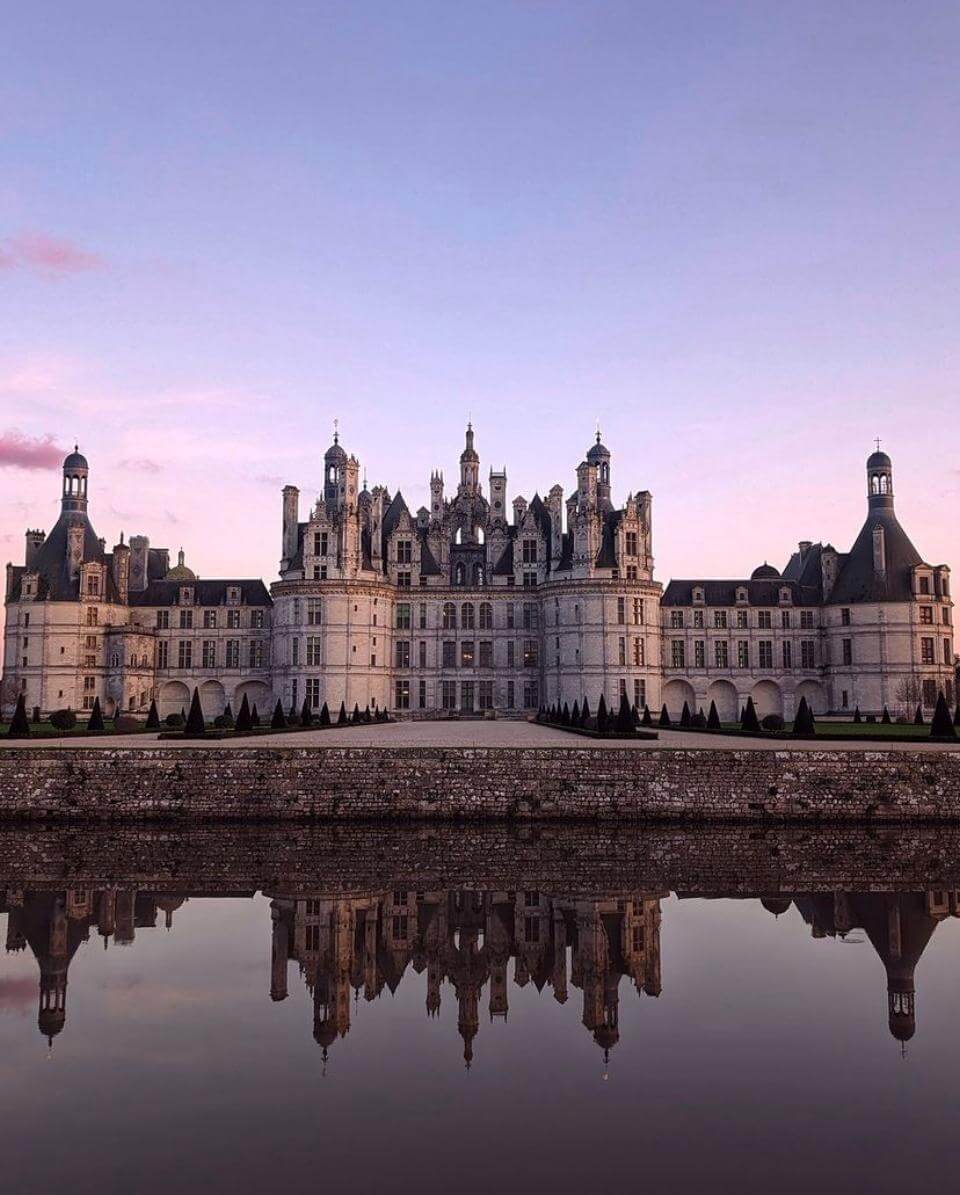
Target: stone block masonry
x=383 y=783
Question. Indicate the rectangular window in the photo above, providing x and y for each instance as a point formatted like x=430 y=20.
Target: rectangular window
x=743 y=653
x=403 y=579
x=926 y=614
x=631 y=543
x=847 y=645
x=485 y=695
x=807 y=653
x=741 y=619
x=486 y=653
x=422 y=653
x=403 y=619
x=511 y=695
x=637 y=611
x=511 y=654
x=947 y=652
x=699 y=654
x=531 y=618
x=531 y=694
x=93 y=584
x=531 y=653
x=186 y=620
x=621 y=609
x=927 y=651
x=255 y=655
x=638 y=653
x=402 y=655
x=929 y=693
x=209 y=653
x=720 y=620
x=622 y=652
x=787 y=654
x=184 y=654
x=423 y=616
x=233 y=653
x=209 y=619
x=764 y=620
x=765 y=647
x=422 y=695
x=404 y=551
x=529 y=580
x=631 y=572
x=845 y=617
x=466 y=653
x=449 y=649
x=466 y=696
x=676 y=619
x=313 y=650
x=163 y=654
x=448 y=692
x=233 y=620
x=402 y=695
x=510 y=616
x=698 y=620
x=256 y=619
x=313 y=691
x=89 y=683
x=924 y=585
x=314 y=611
x=677 y=653
x=806 y=620
x=639 y=693
x=785 y=619
x=722 y=653
x=529 y=551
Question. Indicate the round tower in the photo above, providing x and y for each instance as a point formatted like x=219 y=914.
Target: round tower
x=879 y=480
x=599 y=457
x=469 y=465
x=75 y=473
x=334 y=466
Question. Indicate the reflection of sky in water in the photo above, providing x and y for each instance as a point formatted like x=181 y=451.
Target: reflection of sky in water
x=766 y=1059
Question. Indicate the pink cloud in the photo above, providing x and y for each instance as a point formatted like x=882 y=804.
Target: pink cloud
x=140 y=464
x=52 y=255
x=17 y=993
x=18 y=451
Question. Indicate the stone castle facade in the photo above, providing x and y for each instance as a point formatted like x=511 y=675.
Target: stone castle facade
x=474 y=606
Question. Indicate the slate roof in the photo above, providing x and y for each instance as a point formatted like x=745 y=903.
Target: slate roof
x=206 y=593
x=724 y=593
x=858 y=582
x=56 y=584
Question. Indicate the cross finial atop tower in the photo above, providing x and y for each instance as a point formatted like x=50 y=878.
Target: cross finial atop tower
x=336 y=431
x=598 y=431
x=878 y=443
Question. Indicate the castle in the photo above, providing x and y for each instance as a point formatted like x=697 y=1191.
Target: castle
x=474 y=606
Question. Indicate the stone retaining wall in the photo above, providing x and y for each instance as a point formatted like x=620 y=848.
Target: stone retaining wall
x=86 y=784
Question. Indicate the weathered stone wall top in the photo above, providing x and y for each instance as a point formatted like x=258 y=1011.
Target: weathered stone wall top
x=476 y=783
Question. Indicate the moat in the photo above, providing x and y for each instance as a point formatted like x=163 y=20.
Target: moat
x=478 y=1008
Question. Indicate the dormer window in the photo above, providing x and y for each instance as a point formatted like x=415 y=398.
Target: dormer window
x=924 y=583
x=404 y=551
x=93 y=584
x=785 y=596
x=742 y=595
x=698 y=594
x=186 y=595
x=233 y=595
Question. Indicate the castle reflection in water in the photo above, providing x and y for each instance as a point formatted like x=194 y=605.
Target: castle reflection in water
x=348 y=946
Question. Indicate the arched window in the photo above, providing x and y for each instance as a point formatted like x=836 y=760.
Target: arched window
x=458 y=536
x=458 y=575
x=479 y=575
x=478 y=534
x=449 y=616
x=467 y=616
x=486 y=616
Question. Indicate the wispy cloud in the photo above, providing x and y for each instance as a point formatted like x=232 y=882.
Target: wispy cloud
x=18 y=451
x=46 y=254
x=140 y=464
x=268 y=479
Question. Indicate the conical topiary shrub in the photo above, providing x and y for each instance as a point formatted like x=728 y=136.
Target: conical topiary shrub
x=699 y=720
x=624 y=722
x=195 y=723
x=255 y=715
x=857 y=716
x=802 y=721
x=918 y=718
x=750 y=723
x=575 y=713
x=885 y=717
x=685 y=716
x=355 y=716
x=278 y=721
x=647 y=719
x=664 y=719
x=20 y=723
x=342 y=718
x=602 y=717
x=153 y=718
x=565 y=715
x=306 y=715
x=941 y=727
x=228 y=712
x=635 y=716
x=713 y=717
x=366 y=713
x=95 y=721
x=244 y=718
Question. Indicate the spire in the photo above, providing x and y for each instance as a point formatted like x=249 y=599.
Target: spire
x=336 y=431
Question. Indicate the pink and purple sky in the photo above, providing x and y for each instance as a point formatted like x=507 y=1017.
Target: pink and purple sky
x=728 y=232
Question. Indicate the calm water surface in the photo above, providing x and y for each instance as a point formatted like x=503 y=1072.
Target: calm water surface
x=460 y=1039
